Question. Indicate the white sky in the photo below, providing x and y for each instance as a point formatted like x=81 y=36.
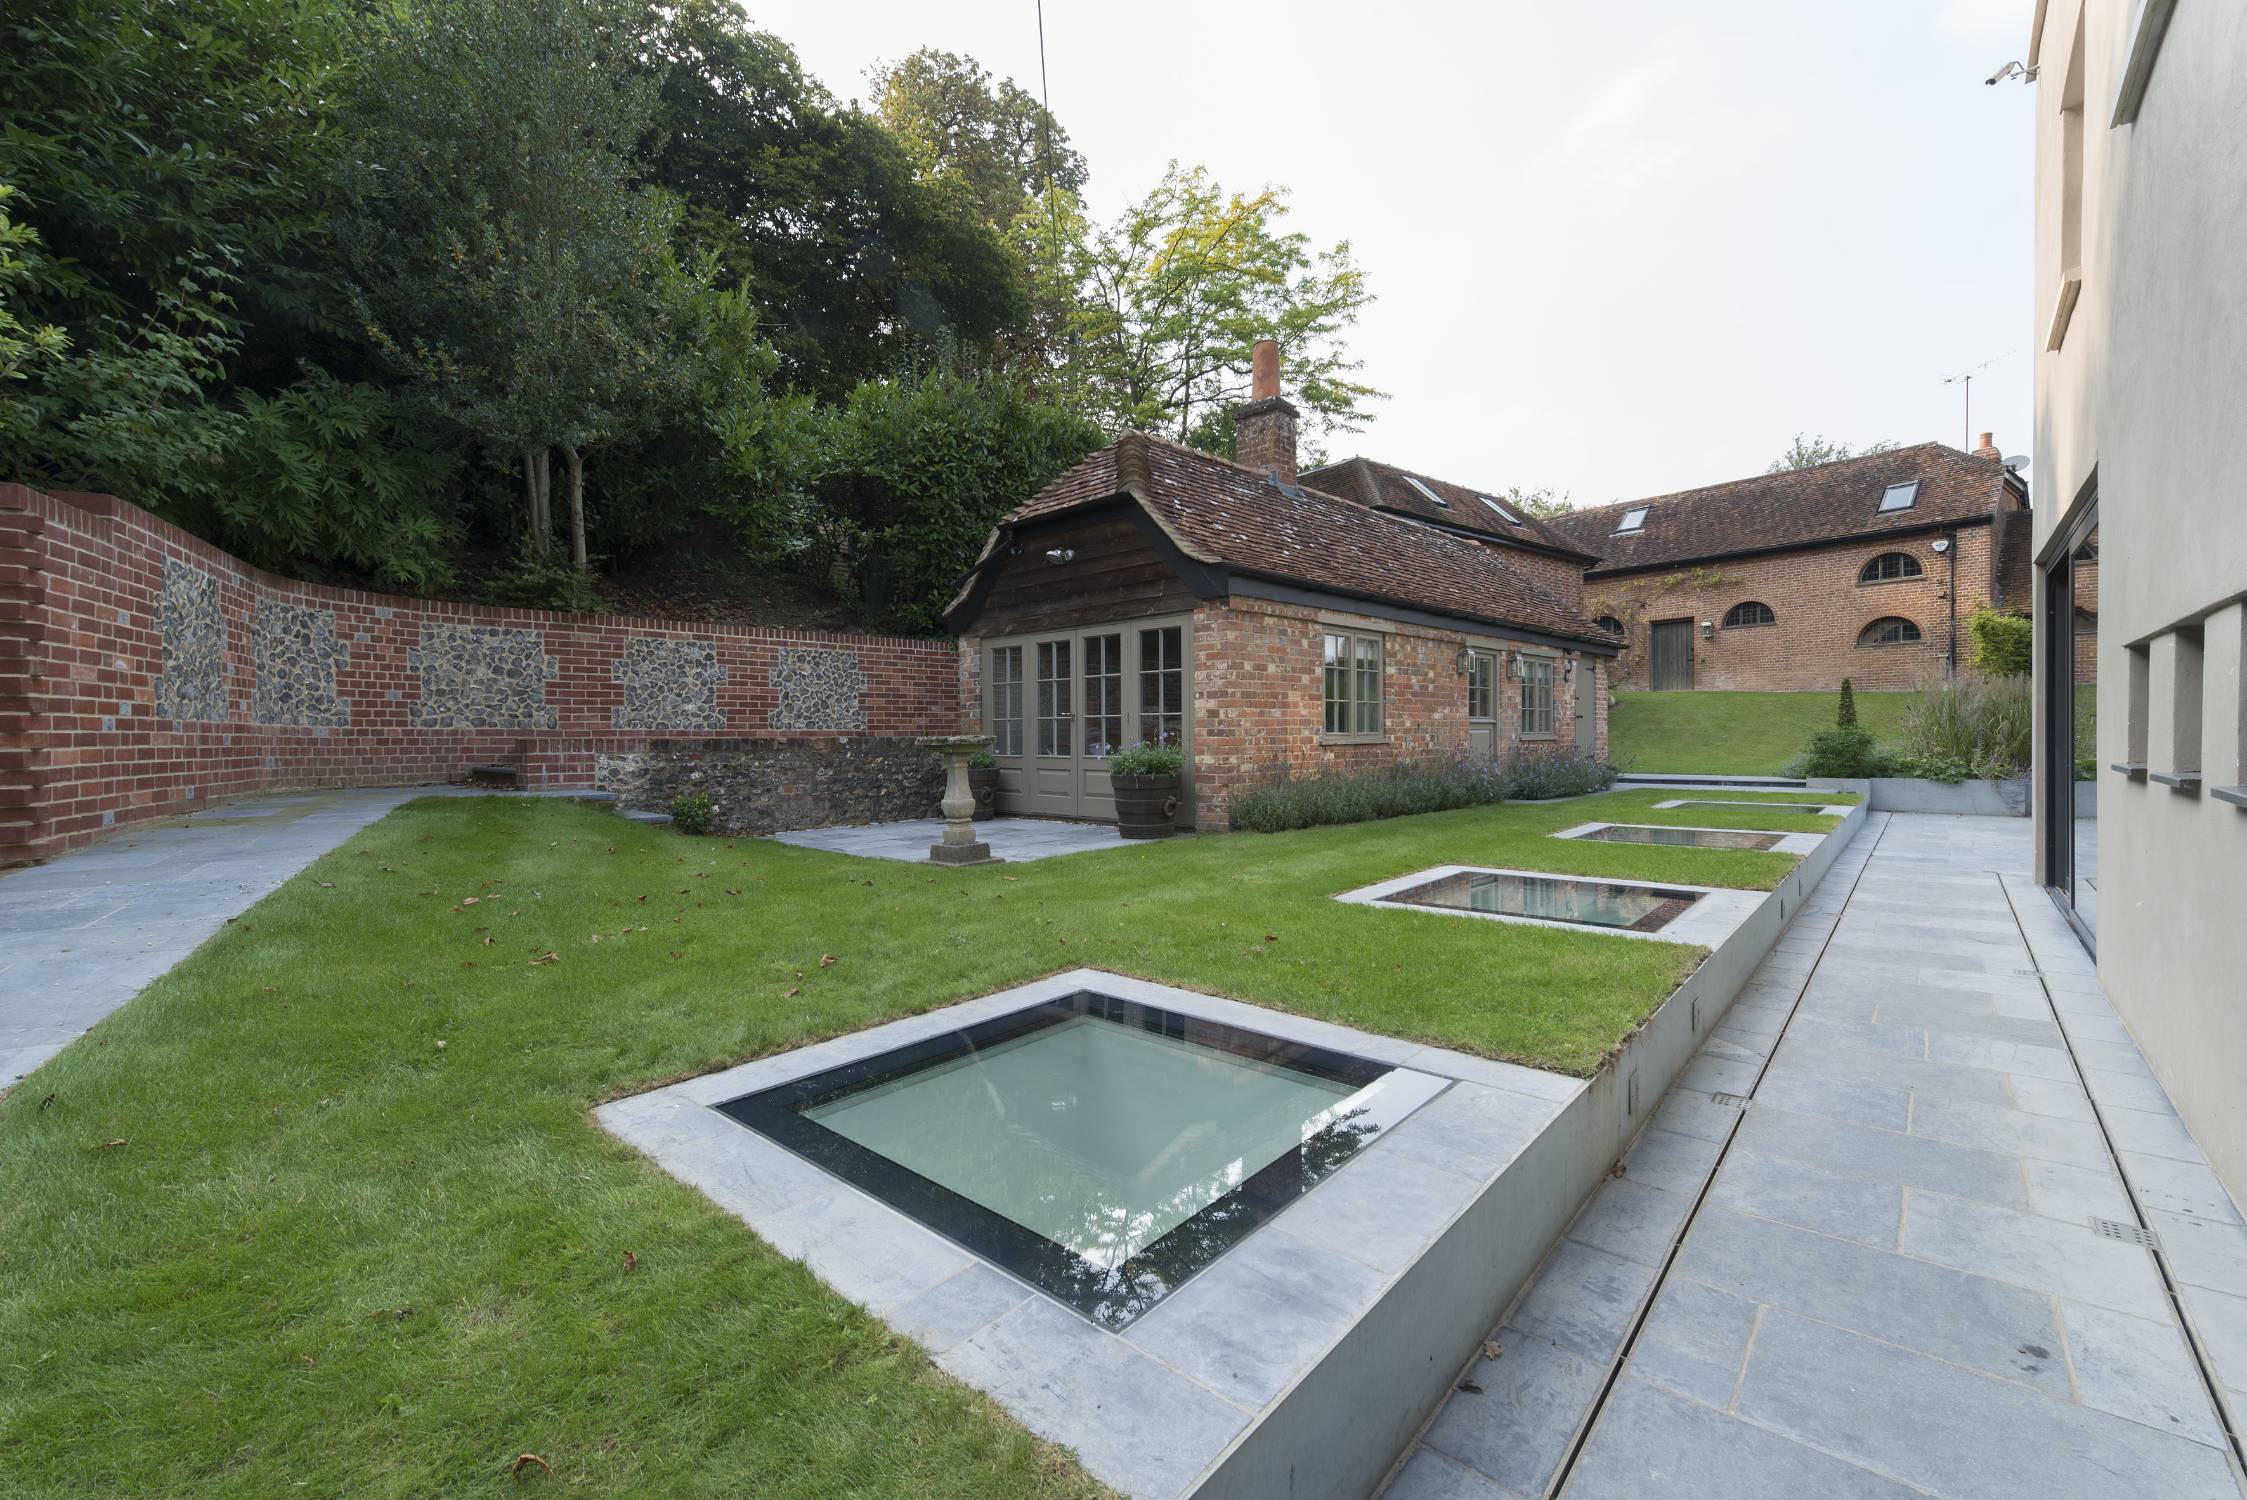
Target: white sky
x=1619 y=247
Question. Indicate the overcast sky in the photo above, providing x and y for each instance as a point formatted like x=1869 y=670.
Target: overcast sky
x=1619 y=248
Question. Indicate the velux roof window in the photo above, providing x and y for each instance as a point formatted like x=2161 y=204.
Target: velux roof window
x=1633 y=519
x=1899 y=496
x=1430 y=495
x=1503 y=514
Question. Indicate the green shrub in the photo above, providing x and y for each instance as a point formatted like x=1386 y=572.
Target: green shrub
x=690 y=812
x=1539 y=776
x=1971 y=727
x=2002 y=644
x=1146 y=759
x=1849 y=752
x=982 y=760
x=1845 y=717
x=1361 y=796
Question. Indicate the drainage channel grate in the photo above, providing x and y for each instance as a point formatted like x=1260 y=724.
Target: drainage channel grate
x=1732 y=1101
x=2129 y=1234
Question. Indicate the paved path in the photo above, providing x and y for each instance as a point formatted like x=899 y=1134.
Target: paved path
x=1881 y=1276
x=82 y=935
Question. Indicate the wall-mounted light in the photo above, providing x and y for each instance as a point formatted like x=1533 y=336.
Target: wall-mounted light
x=1060 y=554
x=1708 y=627
x=1941 y=545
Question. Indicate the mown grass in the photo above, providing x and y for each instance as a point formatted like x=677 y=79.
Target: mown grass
x=323 y=1212
x=1735 y=734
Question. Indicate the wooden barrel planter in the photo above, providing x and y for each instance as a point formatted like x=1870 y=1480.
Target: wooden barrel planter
x=1146 y=806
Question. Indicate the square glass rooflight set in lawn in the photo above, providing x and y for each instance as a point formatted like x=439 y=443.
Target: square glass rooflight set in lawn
x=1771 y=840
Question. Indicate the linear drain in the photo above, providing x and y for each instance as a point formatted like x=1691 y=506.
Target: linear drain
x=2129 y=1234
x=1731 y=1101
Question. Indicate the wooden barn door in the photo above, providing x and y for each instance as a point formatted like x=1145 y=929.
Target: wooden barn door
x=1673 y=655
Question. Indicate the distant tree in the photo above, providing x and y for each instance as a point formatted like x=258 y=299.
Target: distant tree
x=500 y=256
x=1176 y=291
x=1538 y=502
x=963 y=126
x=859 y=265
x=1808 y=451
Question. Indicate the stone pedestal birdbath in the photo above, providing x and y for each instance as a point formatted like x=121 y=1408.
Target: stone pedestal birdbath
x=960 y=845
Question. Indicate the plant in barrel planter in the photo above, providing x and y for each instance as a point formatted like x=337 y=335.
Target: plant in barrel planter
x=983 y=780
x=1145 y=777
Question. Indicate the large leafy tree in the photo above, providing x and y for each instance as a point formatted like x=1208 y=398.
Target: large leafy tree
x=859 y=263
x=501 y=256
x=1177 y=290
x=1808 y=450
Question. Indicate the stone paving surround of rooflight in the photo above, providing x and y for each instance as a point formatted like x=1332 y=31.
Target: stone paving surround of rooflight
x=1713 y=917
x=1150 y=1409
x=1810 y=809
x=1789 y=843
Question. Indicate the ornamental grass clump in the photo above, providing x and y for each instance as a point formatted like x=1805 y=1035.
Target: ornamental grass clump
x=1291 y=801
x=1971 y=727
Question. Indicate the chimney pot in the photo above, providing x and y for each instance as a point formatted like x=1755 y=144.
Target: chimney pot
x=1264 y=425
x=1987 y=448
x=1264 y=370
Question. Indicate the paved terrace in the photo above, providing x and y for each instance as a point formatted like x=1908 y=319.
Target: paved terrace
x=1881 y=1239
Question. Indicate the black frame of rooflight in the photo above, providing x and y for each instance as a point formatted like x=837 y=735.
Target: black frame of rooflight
x=1625 y=526
x=1910 y=487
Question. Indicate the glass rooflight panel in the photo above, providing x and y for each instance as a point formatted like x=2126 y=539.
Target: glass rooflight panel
x=1899 y=496
x=1432 y=497
x=1633 y=519
x=1504 y=514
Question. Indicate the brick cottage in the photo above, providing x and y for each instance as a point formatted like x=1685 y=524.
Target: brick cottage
x=1866 y=568
x=1352 y=617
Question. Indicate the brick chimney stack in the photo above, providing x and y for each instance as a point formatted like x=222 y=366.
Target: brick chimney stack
x=1988 y=449
x=1264 y=428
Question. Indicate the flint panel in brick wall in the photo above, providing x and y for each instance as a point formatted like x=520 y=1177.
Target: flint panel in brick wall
x=294 y=649
x=193 y=631
x=482 y=677
x=668 y=684
x=818 y=689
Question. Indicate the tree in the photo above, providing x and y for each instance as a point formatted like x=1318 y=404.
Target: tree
x=501 y=257
x=1537 y=502
x=1015 y=161
x=860 y=266
x=918 y=471
x=1177 y=290
x=1807 y=452
x=1845 y=716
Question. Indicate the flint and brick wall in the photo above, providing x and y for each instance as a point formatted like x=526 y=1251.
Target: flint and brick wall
x=1259 y=698
x=143 y=672
x=1820 y=608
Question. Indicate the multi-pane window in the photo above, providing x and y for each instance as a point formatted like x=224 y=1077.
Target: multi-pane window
x=1103 y=694
x=1352 y=673
x=1892 y=631
x=1889 y=566
x=1162 y=685
x=1006 y=700
x=1054 y=734
x=1752 y=612
x=1482 y=685
x=1536 y=695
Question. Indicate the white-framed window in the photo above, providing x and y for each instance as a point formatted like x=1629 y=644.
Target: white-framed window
x=1536 y=697
x=1006 y=700
x=1352 y=677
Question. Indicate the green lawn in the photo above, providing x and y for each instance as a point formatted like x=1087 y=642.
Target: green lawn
x=1733 y=734
x=323 y=1212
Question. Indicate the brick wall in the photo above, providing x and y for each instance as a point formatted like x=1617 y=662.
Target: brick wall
x=144 y=672
x=1821 y=611
x=1259 y=705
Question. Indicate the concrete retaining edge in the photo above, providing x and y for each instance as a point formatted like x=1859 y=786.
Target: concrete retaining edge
x=1337 y=1431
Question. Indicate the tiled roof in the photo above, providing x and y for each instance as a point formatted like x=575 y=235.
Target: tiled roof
x=1797 y=508
x=1224 y=515
x=1387 y=487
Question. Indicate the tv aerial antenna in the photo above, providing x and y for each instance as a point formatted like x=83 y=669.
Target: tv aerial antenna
x=1965 y=381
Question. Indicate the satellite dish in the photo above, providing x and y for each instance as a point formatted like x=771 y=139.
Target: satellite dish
x=2016 y=461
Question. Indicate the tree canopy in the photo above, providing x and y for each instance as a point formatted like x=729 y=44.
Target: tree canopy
x=1807 y=451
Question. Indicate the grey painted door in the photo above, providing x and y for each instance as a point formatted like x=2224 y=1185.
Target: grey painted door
x=1052 y=776
x=1482 y=705
x=1673 y=655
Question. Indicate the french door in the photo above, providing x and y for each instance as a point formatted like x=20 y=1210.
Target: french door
x=1482 y=706
x=1059 y=704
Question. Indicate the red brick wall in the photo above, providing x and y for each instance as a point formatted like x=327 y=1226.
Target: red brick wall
x=1259 y=701
x=1821 y=610
x=82 y=748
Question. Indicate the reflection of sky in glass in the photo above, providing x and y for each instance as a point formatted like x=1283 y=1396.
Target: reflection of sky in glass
x=1101 y=1138
x=1589 y=901
x=1690 y=838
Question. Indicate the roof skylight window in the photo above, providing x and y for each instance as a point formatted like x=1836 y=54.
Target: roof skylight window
x=1633 y=519
x=1504 y=514
x=1899 y=496
x=1437 y=500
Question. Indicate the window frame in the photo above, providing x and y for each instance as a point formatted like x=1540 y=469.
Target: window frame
x=1613 y=627
x=1626 y=526
x=1543 y=674
x=1865 y=642
x=1732 y=622
x=1482 y=686
x=1910 y=487
x=1352 y=666
x=1002 y=742
x=1865 y=580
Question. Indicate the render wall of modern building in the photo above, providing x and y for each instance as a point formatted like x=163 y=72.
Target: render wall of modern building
x=2141 y=409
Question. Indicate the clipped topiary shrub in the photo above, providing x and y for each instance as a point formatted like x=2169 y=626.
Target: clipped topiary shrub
x=690 y=812
x=1850 y=752
x=1845 y=717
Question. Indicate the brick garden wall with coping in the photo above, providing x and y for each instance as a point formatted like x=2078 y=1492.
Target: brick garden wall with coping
x=144 y=672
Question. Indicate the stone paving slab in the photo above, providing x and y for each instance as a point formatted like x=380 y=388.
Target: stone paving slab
x=1891 y=1283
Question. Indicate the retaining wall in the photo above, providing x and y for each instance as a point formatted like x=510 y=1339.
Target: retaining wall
x=144 y=672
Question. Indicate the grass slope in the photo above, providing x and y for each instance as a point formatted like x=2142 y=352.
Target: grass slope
x=1734 y=734
x=323 y=1212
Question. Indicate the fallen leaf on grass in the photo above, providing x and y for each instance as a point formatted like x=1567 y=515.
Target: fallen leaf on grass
x=489 y=940
x=111 y=1145
x=327 y=885
x=547 y=958
x=48 y=1102
x=675 y=953
x=470 y=900
x=631 y=1261
x=525 y=1460
x=269 y=989
x=791 y=994
x=826 y=960
x=1271 y=937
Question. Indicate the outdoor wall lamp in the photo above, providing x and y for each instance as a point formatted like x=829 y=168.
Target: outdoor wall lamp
x=1060 y=554
x=1708 y=627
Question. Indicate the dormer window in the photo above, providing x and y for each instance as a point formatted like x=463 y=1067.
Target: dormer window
x=1429 y=495
x=1633 y=519
x=1503 y=514
x=1899 y=496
